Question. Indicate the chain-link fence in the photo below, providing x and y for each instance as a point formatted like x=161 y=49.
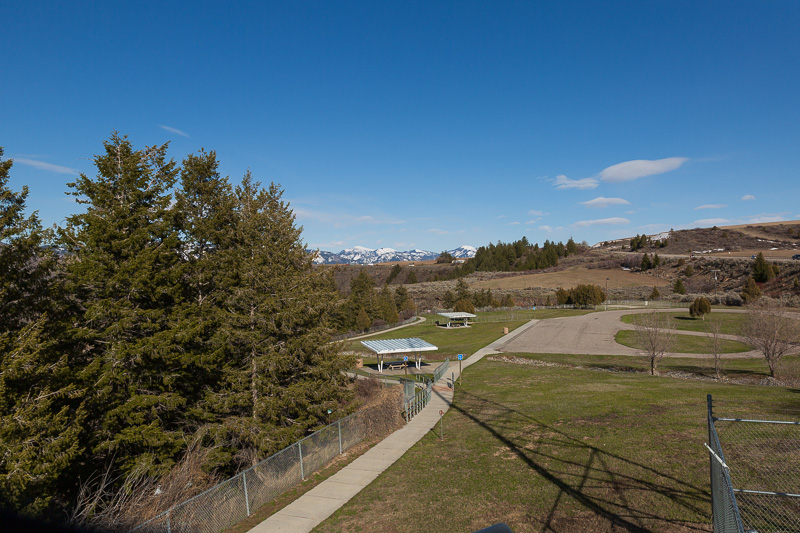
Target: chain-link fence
x=755 y=483
x=235 y=499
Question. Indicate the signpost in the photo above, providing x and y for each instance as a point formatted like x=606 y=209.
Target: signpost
x=534 y=312
x=441 y=424
x=460 y=357
x=405 y=366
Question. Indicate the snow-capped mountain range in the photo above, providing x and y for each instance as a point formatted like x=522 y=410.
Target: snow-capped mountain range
x=359 y=255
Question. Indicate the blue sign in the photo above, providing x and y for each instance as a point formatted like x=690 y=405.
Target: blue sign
x=534 y=308
x=460 y=356
x=405 y=358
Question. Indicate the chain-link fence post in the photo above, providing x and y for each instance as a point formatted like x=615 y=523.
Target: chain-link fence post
x=339 y=424
x=246 y=496
x=300 y=449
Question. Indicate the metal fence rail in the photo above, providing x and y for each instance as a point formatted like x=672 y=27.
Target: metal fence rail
x=757 y=485
x=414 y=405
x=440 y=370
x=237 y=498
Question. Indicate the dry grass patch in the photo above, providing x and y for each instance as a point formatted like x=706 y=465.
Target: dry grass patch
x=571 y=278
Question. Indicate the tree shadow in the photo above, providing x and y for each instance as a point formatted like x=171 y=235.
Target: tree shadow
x=595 y=483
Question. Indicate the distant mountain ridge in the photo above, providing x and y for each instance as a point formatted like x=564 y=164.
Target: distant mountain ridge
x=359 y=255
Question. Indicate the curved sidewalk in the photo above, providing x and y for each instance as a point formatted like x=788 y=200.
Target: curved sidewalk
x=313 y=507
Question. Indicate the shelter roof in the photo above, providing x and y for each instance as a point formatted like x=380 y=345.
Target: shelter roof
x=399 y=346
x=457 y=315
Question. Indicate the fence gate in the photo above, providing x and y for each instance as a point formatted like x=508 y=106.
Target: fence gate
x=755 y=483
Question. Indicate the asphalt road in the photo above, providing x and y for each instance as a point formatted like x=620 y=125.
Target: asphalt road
x=592 y=334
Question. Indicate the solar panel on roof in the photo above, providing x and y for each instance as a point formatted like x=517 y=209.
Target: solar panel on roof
x=399 y=345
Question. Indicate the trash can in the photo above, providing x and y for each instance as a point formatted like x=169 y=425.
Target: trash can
x=505 y=331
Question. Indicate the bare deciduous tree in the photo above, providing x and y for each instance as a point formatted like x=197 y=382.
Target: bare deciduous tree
x=714 y=332
x=771 y=332
x=656 y=334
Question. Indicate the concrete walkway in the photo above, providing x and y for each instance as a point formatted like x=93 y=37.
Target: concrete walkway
x=312 y=508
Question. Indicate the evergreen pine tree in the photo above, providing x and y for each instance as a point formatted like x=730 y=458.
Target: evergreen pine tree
x=362 y=320
x=283 y=374
x=679 y=288
x=750 y=292
x=124 y=254
x=412 y=277
x=645 y=264
x=655 y=294
x=762 y=271
x=40 y=416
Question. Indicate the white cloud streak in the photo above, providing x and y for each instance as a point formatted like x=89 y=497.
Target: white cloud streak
x=602 y=201
x=710 y=222
x=747 y=197
x=41 y=165
x=639 y=168
x=173 y=130
x=536 y=213
x=710 y=206
x=613 y=221
x=766 y=217
x=563 y=182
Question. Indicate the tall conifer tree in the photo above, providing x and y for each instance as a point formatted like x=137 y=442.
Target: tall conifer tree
x=123 y=271
x=39 y=422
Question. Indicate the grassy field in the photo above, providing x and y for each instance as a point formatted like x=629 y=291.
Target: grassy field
x=454 y=341
x=731 y=322
x=683 y=343
x=560 y=449
x=745 y=370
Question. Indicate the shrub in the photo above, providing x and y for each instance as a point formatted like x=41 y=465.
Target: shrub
x=700 y=308
x=689 y=271
x=464 y=306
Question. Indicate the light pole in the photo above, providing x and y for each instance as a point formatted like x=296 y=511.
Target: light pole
x=606 y=294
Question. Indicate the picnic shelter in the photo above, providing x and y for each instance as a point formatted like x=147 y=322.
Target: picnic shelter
x=412 y=347
x=456 y=319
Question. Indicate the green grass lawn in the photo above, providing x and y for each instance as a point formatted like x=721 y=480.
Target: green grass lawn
x=454 y=341
x=684 y=343
x=731 y=322
x=750 y=369
x=560 y=449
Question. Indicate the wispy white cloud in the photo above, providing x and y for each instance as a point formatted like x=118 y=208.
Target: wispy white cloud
x=639 y=168
x=41 y=165
x=341 y=220
x=437 y=231
x=613 y=221
x=500 y=216
x=766 y=217
x=747 y=197
x=602 y=201
x=563 y=182
x=548 y=229
x=513 y=224
x=710 y=222
x=710 y=206
x=537 y=213
x=173 y=130
x=324 y=245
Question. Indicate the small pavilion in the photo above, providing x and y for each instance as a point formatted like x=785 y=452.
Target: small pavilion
x=457 y=319
x=412 y=346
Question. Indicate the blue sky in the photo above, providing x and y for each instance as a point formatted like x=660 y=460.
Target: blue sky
x=425 y=124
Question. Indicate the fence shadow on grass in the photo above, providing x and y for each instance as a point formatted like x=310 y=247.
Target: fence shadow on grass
x=597 y=470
